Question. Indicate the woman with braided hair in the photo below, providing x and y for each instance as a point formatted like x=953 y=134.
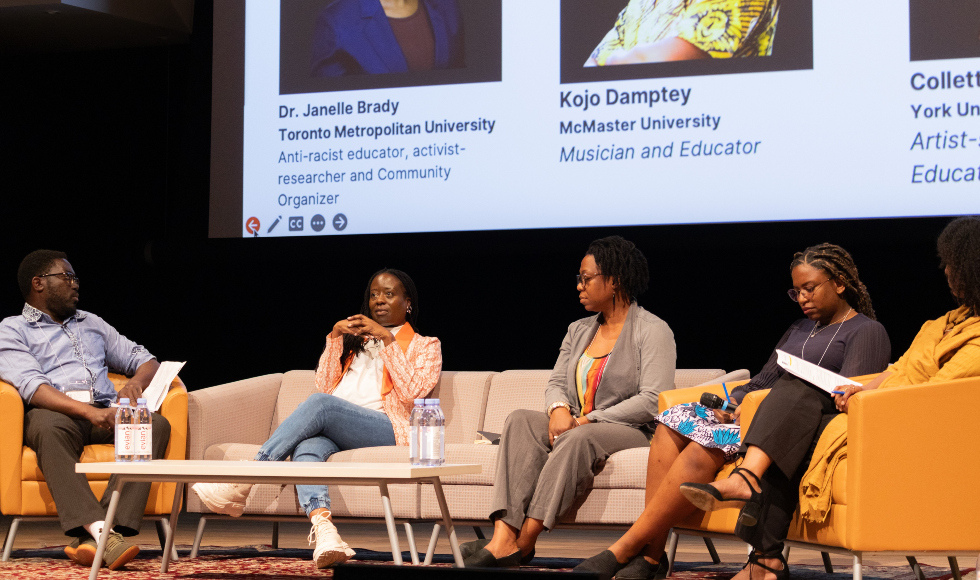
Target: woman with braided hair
x=786 y=428
x=692 y=443
x=601 y=398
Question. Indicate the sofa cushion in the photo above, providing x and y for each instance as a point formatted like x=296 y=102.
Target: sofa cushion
x=296 y=387
x=485 y=455
x=623 y=470
x=463 y=399
x=626 y=469
x=512 y=390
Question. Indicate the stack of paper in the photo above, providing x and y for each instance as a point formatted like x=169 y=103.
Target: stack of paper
x=157 y=391
x=811 y=373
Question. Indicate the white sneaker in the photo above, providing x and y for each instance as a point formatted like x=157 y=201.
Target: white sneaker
x=330 y=549
x=223 y=498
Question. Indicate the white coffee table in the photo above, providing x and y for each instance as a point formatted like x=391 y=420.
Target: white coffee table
x=277 y=472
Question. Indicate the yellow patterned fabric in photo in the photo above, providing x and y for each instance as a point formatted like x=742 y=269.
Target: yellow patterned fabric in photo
x=721 y=28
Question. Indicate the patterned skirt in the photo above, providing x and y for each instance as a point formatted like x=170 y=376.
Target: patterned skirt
x=699 y=424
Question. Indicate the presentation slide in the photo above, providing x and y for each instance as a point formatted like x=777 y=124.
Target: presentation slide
x=457 y=115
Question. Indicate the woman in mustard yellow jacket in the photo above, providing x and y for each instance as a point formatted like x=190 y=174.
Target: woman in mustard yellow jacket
x=944 y=349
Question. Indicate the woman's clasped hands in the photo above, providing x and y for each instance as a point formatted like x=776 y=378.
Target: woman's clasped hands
x=562 y=421
x=362 y=326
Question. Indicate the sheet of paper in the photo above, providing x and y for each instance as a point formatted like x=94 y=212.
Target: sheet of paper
x=157 y=391
x=811 y=373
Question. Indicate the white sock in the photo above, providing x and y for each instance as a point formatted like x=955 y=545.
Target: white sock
x=95 y=530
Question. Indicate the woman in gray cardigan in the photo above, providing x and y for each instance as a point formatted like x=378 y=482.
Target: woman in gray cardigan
x=601 y=398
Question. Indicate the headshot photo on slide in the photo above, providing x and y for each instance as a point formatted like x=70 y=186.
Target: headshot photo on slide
x=334 y=45
x=617 y=40
x=941 y=30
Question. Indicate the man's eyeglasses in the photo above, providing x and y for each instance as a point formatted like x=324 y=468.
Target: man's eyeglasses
x=795 y=294
x=584 y=279
x=69 y=277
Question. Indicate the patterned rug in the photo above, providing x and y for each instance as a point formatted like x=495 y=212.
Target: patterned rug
x=265 y=563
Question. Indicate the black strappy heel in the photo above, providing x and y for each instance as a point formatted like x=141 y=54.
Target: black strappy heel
x=708 y=498
x=781 y=574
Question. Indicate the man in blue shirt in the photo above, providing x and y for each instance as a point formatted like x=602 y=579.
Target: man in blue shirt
x=58 y=358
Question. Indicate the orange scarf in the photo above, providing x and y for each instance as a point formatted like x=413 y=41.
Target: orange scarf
x=403 y=338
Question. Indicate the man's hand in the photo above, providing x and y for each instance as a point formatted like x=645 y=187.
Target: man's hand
x=561 y=421
x=131 y=391
x=100 y=417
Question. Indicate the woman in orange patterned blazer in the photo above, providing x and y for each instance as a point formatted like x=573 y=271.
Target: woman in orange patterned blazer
x=373 y=368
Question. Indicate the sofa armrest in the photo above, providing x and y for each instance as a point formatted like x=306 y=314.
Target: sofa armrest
x=11 y=447
x=739 y=377
x=912 y=471
x=239 y=412
x=668 y=399
x=174 y=408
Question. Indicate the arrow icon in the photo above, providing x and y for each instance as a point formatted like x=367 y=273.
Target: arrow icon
x=339 y=222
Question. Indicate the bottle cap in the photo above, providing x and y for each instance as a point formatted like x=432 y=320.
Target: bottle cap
x=141 y=401
x=419 y=402
x=124 y=401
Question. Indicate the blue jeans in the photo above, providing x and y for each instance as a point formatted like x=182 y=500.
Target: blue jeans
x=321 y=426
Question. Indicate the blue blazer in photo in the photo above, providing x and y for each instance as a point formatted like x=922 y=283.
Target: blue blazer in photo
x=353 y=37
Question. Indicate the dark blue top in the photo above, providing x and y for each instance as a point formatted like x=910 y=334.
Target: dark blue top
x=353 y=37
x=860 y=346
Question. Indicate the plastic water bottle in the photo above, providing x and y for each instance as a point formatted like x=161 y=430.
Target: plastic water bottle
x=441 y=458
x=413 y=437
x=432 y=447
x=125 y=444
x=144 y=432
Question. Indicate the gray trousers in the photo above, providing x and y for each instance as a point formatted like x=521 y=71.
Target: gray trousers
x=58 y=441
x=535 y=481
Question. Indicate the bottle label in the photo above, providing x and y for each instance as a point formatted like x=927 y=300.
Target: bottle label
x=144 y=440
x=124 y=440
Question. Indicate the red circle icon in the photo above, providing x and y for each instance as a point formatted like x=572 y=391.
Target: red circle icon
x=252 y=225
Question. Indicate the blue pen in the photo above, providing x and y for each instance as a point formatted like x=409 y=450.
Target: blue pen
x=838 y=392
x=728 y=400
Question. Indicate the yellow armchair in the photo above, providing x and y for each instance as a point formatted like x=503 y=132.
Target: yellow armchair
x=23 y=491
x=907 y=485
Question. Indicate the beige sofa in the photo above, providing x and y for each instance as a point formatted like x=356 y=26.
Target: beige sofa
x=231 y=421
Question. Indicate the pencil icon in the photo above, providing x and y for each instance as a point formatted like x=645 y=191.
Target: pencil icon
x=273 y=226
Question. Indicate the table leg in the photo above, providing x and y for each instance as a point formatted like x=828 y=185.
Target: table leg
x=432 y=544
x=447 y=521
x=396 y=551
x=174 y=512
x=414 y=551
x=104 y=536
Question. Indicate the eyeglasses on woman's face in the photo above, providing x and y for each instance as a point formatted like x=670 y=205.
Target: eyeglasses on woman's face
x=584 y=279
x=806 y=291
